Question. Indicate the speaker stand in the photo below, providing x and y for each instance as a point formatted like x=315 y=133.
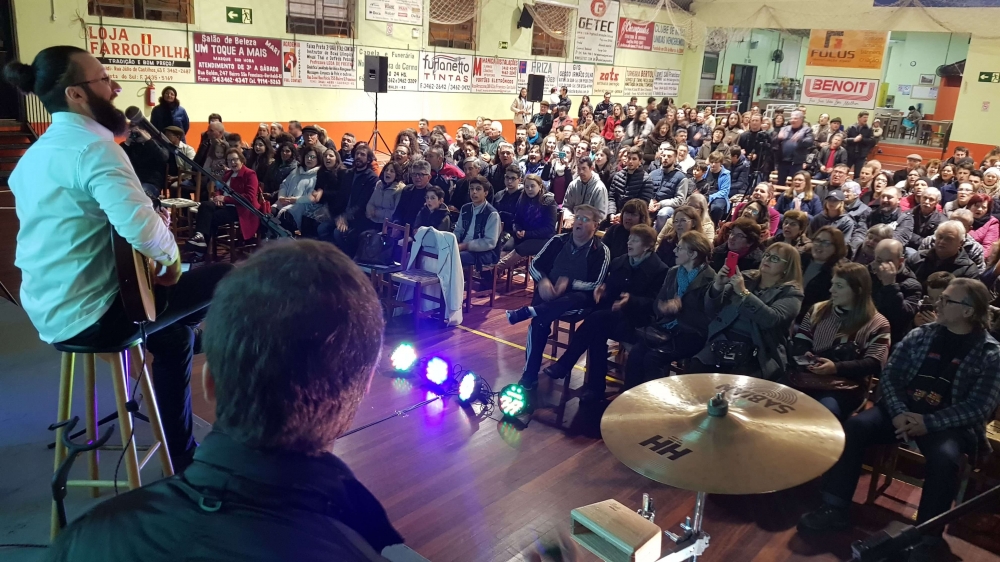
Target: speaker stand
x=376 y=135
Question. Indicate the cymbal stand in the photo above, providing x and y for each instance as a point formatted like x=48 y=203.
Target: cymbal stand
x=693 y=542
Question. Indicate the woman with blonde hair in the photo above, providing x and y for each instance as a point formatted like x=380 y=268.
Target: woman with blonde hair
x=843 y=338
x=800 y=196
x=754 y=312
x=685 y=219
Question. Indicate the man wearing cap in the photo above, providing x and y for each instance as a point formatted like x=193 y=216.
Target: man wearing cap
x=912 y=161
x=833 y=215
x=888 y=212
x=858 y=212
x=542 y=119
x=176 y=167
x=310 y=136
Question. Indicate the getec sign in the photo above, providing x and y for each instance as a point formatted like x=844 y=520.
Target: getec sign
x=841 y=48
x=857 y=93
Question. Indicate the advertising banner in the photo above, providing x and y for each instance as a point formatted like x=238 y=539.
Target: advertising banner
x=578 y=78
x=668 y=39
x=596 y=31
x=494 y=76
x=639 y=82
x=402 y=68
x=609 y=79
x=232 y=59
x=667 y=83
x=442 y=72
x=846 y=48
x=318 y=65
x=633 y=34
x=134 y=54
x=859 y=93
x=546 y=68
x=410 y=12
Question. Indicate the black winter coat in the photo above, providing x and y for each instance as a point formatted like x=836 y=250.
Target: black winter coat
x=626 y=186
x=641 y=283
x=536 y=216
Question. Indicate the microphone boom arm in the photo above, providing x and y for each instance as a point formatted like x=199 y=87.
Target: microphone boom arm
x=136 y=118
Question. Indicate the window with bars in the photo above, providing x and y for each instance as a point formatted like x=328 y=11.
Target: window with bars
x=452 y=23
x=154 y=10
x=551 y=30
x=330 y=18
x=545 y=45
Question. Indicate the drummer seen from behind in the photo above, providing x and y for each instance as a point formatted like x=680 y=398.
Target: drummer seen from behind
x=939 y=389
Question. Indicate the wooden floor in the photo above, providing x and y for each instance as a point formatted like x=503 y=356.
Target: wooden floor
x=462 y=489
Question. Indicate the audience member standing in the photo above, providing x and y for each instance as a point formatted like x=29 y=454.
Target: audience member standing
x=860 y=141
x=794 y=141
x=169 y=112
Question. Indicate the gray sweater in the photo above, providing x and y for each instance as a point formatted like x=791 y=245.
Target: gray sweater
x=593 y=193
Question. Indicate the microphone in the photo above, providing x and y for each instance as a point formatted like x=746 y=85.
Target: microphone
x=137 y=119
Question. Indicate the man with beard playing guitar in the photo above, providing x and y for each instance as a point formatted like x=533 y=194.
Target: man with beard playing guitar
x=69 y=187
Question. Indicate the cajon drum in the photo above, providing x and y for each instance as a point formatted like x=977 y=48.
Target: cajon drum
x=616 y=533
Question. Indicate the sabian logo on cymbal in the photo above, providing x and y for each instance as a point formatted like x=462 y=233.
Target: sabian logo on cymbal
x=776 y=400
x=670 y=446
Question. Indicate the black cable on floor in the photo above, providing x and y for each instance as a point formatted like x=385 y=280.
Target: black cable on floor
x=23 y=545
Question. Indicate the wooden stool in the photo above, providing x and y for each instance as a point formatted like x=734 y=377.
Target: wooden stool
x=125 y=358
x=886 y=458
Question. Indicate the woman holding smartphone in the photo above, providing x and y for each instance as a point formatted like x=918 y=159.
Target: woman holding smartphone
x=844 y=341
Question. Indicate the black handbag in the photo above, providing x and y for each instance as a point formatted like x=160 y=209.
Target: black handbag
x=374 y=248
x=735 y=356
x=804 y=380
x=654 y=337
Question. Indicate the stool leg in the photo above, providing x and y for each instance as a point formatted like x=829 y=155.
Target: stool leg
x=119 y=376
x=65 y=403
x=139 y=364
x=90 y=384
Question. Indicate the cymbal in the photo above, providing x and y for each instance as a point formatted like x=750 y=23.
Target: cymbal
x=772 y=438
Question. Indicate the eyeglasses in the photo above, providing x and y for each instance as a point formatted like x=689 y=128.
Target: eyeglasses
x=822 y=243
x=105 y=79
x=233 y=160
x=582 y=218
x=738 y=235
x=773 y=258
x=945 y=300
x=419 y=175
x=511 y=178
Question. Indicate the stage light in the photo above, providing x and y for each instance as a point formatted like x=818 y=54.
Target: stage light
x=513 y=400
x=437 y=371
x=471 y=388
x=403 y=357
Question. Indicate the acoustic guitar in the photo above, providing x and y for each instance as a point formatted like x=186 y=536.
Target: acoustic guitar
x=135 y=280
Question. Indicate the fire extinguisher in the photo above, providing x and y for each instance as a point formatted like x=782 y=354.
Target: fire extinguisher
x=150 y=93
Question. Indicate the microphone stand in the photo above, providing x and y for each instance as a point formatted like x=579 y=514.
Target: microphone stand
x=886 y=543
x=136 y=118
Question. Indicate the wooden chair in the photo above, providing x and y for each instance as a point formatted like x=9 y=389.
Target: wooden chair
x=470 y=293
x=886 y=459
x=567 y=392
x=126 y=360
x=230 y=237
x=379 y=274
x=418 y=279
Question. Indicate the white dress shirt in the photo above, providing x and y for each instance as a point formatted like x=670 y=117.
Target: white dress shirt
x=68 y=188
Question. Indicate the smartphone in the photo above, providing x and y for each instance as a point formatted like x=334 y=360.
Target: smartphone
x=925 y=306
x=802 y=361
x=731 y=259
x=561 y=154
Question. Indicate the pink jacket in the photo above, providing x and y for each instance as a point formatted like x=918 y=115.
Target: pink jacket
x=987 y=235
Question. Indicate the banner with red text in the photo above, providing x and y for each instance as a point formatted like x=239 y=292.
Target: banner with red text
x=609 y=79
x=134 y=53
x=639 y=83
x=548 y=69
x=859 y=93
x=596 y=31
x=634 y=34
x=494 y=75
x=443 y=72
x=233 y=59
x=318 y=65
x=668 y=39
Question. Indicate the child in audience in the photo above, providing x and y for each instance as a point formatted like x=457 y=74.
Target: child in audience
x=937 y=282
x=434 y=213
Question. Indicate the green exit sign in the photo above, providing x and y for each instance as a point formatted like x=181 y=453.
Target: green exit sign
x=993 y=77
x=239 y=15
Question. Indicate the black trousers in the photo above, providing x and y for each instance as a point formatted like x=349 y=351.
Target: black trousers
x=541 y=325
x=171 y=340
x=210 y=216
x=646 y=363
x=785 y=169
x=856 y=162
x=942 y=449
x=592 y=337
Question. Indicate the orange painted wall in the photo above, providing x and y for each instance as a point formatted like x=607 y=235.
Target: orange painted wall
x=947 y=99
x=362 y=130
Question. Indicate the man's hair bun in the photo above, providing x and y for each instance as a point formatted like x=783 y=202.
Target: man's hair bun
x=20 y=75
